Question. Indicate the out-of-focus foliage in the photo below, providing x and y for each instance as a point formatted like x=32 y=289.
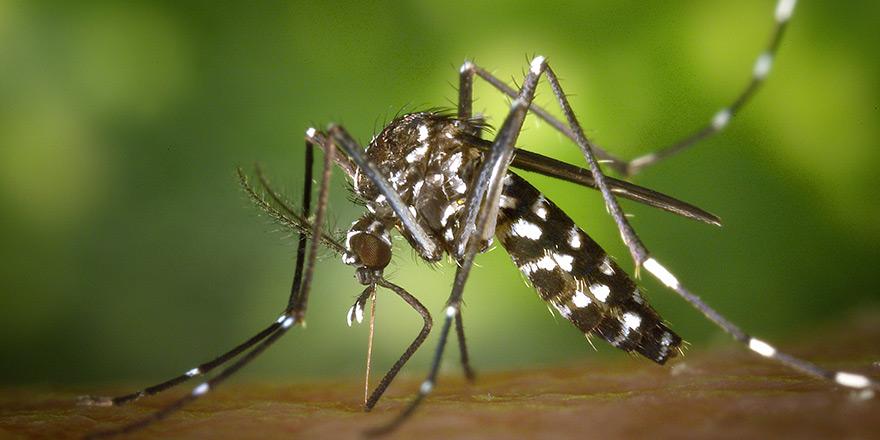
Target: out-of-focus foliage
x=129 y=253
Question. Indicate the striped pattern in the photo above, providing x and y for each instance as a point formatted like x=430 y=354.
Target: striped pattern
x=429 y=162
x=574 y=274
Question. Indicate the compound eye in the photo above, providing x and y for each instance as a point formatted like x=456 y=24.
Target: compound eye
x=372 y=251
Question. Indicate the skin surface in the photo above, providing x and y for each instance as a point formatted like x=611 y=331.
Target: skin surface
x=720 y=393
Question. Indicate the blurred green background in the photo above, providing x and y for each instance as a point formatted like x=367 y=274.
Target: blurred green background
x=129 y=253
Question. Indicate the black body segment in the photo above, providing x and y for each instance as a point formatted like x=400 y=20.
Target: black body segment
x=575 y=275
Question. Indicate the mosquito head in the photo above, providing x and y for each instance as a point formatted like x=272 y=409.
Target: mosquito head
x=372 y=251
x=368 y=248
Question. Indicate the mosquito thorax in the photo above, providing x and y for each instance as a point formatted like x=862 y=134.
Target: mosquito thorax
x=429 y=159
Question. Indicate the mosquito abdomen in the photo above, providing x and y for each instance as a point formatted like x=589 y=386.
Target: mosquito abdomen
x=575 y=275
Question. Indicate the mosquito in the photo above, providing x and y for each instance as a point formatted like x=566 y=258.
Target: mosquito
x=433 y=178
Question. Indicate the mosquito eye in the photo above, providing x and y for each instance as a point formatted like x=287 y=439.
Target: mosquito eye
x=372 y=251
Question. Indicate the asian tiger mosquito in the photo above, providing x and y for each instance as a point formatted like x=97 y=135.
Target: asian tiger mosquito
x=431 y=176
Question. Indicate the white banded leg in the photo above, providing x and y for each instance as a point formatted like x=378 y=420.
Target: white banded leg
x=642 y=257
x=203 y=368
x=207 y=367
x=760 y=70
x=763 y=64
x=843 y=378
x=292 y=315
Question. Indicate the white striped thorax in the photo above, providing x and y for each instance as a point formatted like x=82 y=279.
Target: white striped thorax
x=424 y=158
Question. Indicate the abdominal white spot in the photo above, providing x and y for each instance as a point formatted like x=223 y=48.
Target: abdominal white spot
x=580 y=299
x=564 y=261
x=539 y=208
x=574 y=238
x=600 y=291
x=563 y=310
x=546 y=262
x=526 y=229
x=631 y=320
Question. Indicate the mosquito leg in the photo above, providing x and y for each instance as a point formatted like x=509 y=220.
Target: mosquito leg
x=462 y=347
x=292 y=315
x=851 y=380
x=197 y=391
x=637 y=250
x=466 y=75
x=782 y=15
x=642 y=258
x=197 y=371
x=783 y=12
x=466 y=90
x=225 y=357
x=486 y=189
x=426 y=387
x=293 y=301
x=466 y=98
x=423 y=334
x=480 y=216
